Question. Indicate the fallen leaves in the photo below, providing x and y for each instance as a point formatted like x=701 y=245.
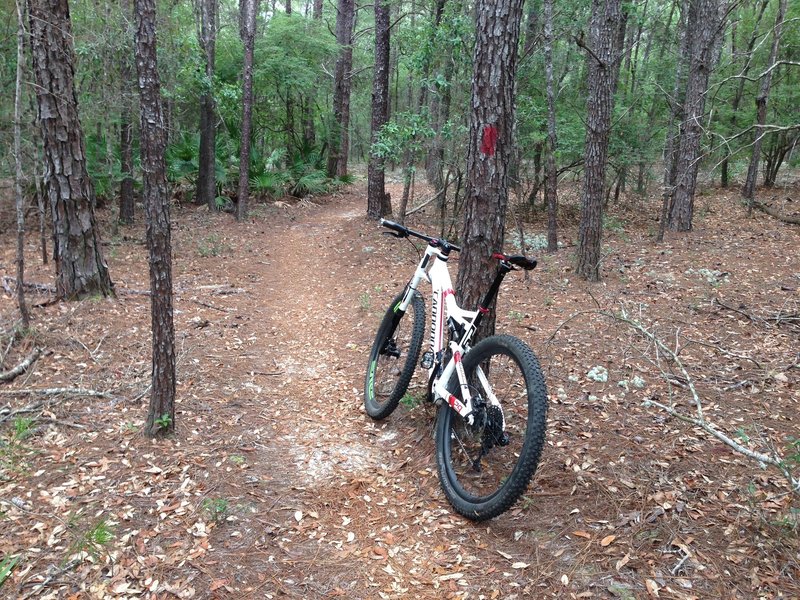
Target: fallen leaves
x=606 y=541
x=271 y=420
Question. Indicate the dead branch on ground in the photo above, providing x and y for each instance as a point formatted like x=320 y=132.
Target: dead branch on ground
x=56 y=392
x=699 y=419
x=21 y=367
x=38 y=287
x=791 y=220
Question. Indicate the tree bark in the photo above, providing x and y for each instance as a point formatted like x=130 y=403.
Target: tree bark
x=127 y=83
x=702 y=30
x=339 y=140
x=749 y=189
x=80 y=268
x=378 y=202
x=161 y=414
x=550 y=176
x=248 y=34
x=207 y=36
x=490 y=149
x=19 y=198
x=603 y=58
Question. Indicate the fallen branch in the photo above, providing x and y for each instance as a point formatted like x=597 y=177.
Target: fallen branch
x=21 y=367
x=699 y=420
x=8 y=348
x=719 y=302
x=6 y=416
x=425 y=203
x=709 y=428
x=207 y=305
x=39 y=287
x=56 y=392
x=775 y=213
x=53 y=575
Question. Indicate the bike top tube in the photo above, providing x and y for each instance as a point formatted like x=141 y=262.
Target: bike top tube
x=403 y=231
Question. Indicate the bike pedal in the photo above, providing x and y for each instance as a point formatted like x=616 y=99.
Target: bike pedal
x=427 y=360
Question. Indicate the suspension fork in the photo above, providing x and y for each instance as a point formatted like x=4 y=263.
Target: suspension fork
x=401 y=307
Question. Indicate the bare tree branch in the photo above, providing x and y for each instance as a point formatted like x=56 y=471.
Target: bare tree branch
x=21 y=367
x=699 y=419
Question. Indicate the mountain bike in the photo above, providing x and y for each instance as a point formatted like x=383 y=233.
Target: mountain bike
x=491 y=397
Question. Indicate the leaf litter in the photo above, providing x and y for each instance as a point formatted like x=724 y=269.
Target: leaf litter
x=277 y=484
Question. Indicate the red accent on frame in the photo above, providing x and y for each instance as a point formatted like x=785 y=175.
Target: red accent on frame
x=499 y=256
x=483 y=310
x=489 y=144
x=455 y=403
x=457 y=357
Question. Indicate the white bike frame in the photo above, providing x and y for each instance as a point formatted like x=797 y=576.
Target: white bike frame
x=433 y=268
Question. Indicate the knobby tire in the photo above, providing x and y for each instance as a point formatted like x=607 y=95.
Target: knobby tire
x=503 y=471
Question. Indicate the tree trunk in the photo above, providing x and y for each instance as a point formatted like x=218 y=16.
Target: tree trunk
x=247 y=32
x=80 y=268
x=440 y=111
x=317 y=14
x=603 y=58
x=408 y=178
x=127 y=83
x=749 y=190
x=550 y=176
x=737 y=97
x=490 y=149
x=41 y=207
x=207 y=37
x=19 y=198
x=702 y=30
x=378 y=202
x=339 y=139
x=675 y=116
x=531 y=29
x=161 y=415
x=781 y=146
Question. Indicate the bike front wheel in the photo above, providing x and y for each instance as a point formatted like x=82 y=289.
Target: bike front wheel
x=394 y=356
x=485 y=466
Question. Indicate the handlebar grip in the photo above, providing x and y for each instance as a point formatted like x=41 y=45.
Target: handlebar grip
x=394 y=226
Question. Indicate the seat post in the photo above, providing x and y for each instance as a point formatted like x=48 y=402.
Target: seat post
x=491 y=293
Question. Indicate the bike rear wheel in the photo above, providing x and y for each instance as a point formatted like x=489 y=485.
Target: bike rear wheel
x=485 y=467
x=394 y=356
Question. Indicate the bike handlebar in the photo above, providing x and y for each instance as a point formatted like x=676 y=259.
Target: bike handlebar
x=518 y=260
x=403 y=231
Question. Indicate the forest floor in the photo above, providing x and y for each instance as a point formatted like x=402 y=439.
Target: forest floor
x=277 y=484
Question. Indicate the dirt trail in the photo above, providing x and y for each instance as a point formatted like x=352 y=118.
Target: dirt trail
x=351 y=507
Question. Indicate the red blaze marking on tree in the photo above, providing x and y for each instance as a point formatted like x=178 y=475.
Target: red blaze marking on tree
x=489 y=140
